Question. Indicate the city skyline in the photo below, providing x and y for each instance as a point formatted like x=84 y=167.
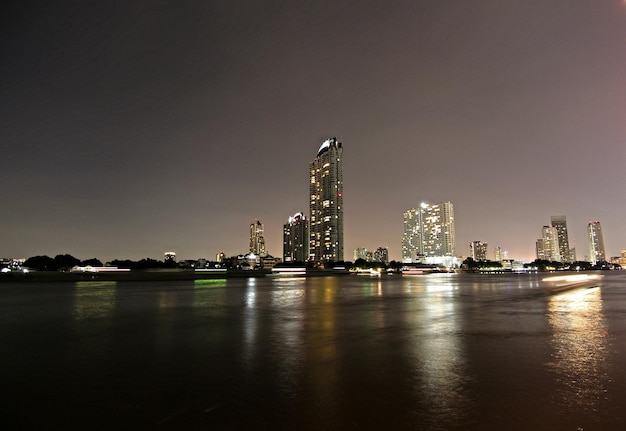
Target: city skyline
x=130 y=130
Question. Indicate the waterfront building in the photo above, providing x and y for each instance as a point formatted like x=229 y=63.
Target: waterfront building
x=620 y=260
x=539 y=250
x=560 y=224
x=382 y=255
x=500 y=254
x=550 y=238
x=257 y=239
x=429 y=233
x=296 y=239
x=326 y=203
x=362 y=253
x=169 y=256
x=478 y=250
x=596 y=242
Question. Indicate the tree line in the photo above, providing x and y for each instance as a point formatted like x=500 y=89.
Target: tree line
x=65 y=262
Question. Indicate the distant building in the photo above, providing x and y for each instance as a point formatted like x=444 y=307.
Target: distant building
x=620 y=260
x=539 y=250
x=170 y=256
x=296 y=239
x=382 y=255
x=550 y=238
x=219 y=257
x=252 y=261
x=596 y=242
x=362 y=253
x=500 y=255
x=326 y=203
x=429 y=233
x=257 y=239
x=478 y=250
x=560 y=224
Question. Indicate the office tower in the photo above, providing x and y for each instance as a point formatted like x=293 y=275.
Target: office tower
x=257 y=240
x=539 y=250
x=478 y=250
x=428 y=232
x=560 y=224
x=550 y=238
x=326 y=203
x=381 y=255
x=596 y=242
x=499 y=254
x=296 y=239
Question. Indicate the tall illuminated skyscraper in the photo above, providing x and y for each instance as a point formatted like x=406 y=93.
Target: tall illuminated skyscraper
x=550 y=238
x=257 y=239
x=429 y=232
x=596 y=242
x=560 y=224
x=326 y=203
x=296 y=239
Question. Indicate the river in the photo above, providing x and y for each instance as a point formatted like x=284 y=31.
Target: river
x=430 y=352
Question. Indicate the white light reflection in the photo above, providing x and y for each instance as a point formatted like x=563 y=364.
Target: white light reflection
x=287 y=320
x=580 y=343
x=250 y=296
x=438 y=353
x=250 y=323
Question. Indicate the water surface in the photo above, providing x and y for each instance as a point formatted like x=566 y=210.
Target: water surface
x=433 y=352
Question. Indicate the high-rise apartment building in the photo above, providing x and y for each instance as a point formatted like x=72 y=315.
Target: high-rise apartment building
x=500 y=254
x=296 y=239
x=596 y=242
x=550 y=238
x=362 y=253
x=428 y=232
x=560 y=224
x=257 y=239
x=326 y=203
x=540 y=252
x=381 y=255
x=478 y=250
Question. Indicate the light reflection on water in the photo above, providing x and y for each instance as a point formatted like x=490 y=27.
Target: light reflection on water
x=94 y=299
x=580 y=342
x=439 y=356
x=437 y=352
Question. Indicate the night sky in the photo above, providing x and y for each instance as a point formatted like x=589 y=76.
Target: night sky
x=133 y=128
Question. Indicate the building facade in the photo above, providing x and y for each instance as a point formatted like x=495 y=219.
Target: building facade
x=500 y=254
x=596 y=242
x=169 y=256
x=382 y=255
x=550 y=238
x=478 y=250
x=363 y=253
x=257 y=239
x=429 y=233
x=560 y=224
x=326 y=203
x=296 y=239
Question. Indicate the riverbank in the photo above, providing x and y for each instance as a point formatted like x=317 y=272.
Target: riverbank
x=149 y=275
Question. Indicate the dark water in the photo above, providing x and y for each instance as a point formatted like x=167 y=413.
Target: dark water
x=434 y=352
